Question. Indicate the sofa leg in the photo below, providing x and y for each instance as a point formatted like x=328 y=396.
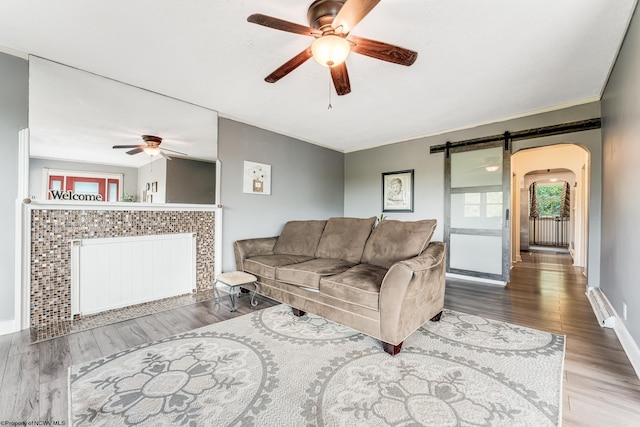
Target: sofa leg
x=437 y=317
x=391 y=349
x=298 y=312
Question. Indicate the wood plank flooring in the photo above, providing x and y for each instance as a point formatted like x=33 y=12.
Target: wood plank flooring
x=546 y=292
x=600 y=387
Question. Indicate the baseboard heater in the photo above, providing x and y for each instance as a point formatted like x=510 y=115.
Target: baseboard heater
x=603 y=311
x=110 y=273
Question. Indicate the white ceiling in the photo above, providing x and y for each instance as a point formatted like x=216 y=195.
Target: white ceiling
x=478 y=61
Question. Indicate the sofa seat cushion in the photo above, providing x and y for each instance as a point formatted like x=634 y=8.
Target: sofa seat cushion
x=392 y=241
x=308 y=274
x=358 y=285
x=344 y=238
x=299 y=238
x=265 y=265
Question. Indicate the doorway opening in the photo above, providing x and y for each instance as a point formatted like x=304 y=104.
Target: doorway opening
x=549 y=202
x=550 y=199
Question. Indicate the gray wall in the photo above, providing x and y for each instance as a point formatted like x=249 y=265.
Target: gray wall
x=363 y=182
x=307 y=183
x=154 y=171
x=620 y=201
x=36 y=165
x=14 y=99
x=190 y=181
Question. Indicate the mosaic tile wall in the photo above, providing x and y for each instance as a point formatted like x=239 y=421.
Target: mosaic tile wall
x=53 y=230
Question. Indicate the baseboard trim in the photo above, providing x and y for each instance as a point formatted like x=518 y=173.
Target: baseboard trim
x=629 y=346
x=476 y=279
x=8 y=327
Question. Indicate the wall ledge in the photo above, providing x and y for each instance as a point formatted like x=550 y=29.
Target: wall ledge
x=120 y=206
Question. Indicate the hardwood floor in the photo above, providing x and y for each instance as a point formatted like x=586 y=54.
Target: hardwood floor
x=600 y=387
x=546 y=292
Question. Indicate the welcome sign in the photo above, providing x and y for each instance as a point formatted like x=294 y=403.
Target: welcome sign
x=70 y=195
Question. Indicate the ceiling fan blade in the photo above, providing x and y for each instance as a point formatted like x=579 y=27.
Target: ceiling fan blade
x=173 y=151
x=165 y=155
x=127 y=146
x=341 y=79
x=289 y=66
x=384 y=51
x=135 y=150
x=351 y=14
x=282 y=25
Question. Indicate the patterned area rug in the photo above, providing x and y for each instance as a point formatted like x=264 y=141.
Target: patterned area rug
x=270 y=368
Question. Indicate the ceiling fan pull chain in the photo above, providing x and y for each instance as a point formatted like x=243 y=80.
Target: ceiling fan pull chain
x=329 y=107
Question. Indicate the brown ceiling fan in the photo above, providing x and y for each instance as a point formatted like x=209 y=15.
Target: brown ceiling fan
x=330 y=23
x=151 y=147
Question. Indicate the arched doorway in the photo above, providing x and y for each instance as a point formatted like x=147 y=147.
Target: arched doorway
x=568 y=163
x=548 y=209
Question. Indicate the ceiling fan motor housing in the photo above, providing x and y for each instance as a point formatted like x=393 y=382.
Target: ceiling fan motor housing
x=152 y=141
x=322 y=12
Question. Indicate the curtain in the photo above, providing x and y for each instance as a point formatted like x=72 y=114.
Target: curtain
x=533 y=201
x=565 y=203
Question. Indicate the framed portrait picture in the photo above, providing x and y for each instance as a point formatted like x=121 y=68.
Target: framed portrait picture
x=397 y=191
x=257 y=178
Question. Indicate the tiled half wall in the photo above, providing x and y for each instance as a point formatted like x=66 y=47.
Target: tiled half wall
x=52 y=231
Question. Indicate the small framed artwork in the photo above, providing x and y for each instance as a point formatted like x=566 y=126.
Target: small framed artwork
x=397 y=191
x=257 y=178
x=154 y=186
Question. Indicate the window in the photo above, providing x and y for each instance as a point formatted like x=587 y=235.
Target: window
x=549 y=199
x=483 y=205
x=494 y=204
x=82 y=186
x=472 y=205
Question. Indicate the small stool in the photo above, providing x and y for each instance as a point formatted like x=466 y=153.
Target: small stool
x=235 y=280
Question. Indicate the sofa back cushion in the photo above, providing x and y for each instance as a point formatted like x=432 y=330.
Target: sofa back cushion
x=344 y=238
x=393 y=241
x=299 y=238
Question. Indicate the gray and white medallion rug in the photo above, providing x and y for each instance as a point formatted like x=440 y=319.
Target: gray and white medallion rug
x=270 y=368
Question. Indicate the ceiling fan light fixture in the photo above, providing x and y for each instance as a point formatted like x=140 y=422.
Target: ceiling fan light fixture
x=330 y=50
x=152 y=151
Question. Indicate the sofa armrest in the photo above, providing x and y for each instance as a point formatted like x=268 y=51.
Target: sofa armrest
x=411 y=293
x=248 y=248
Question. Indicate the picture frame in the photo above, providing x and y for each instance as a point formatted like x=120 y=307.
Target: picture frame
x=154 y=186
x=397 y=191
x=257 y=178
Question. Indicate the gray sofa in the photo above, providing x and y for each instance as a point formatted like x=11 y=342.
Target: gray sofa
x=384 y=280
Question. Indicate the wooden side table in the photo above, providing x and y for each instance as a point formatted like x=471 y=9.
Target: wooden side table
x=236 y=280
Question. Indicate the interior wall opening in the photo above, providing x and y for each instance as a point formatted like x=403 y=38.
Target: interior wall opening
x=550 y=201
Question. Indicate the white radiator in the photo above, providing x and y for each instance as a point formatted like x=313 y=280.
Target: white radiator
x=121 y=271
x=601 y=307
